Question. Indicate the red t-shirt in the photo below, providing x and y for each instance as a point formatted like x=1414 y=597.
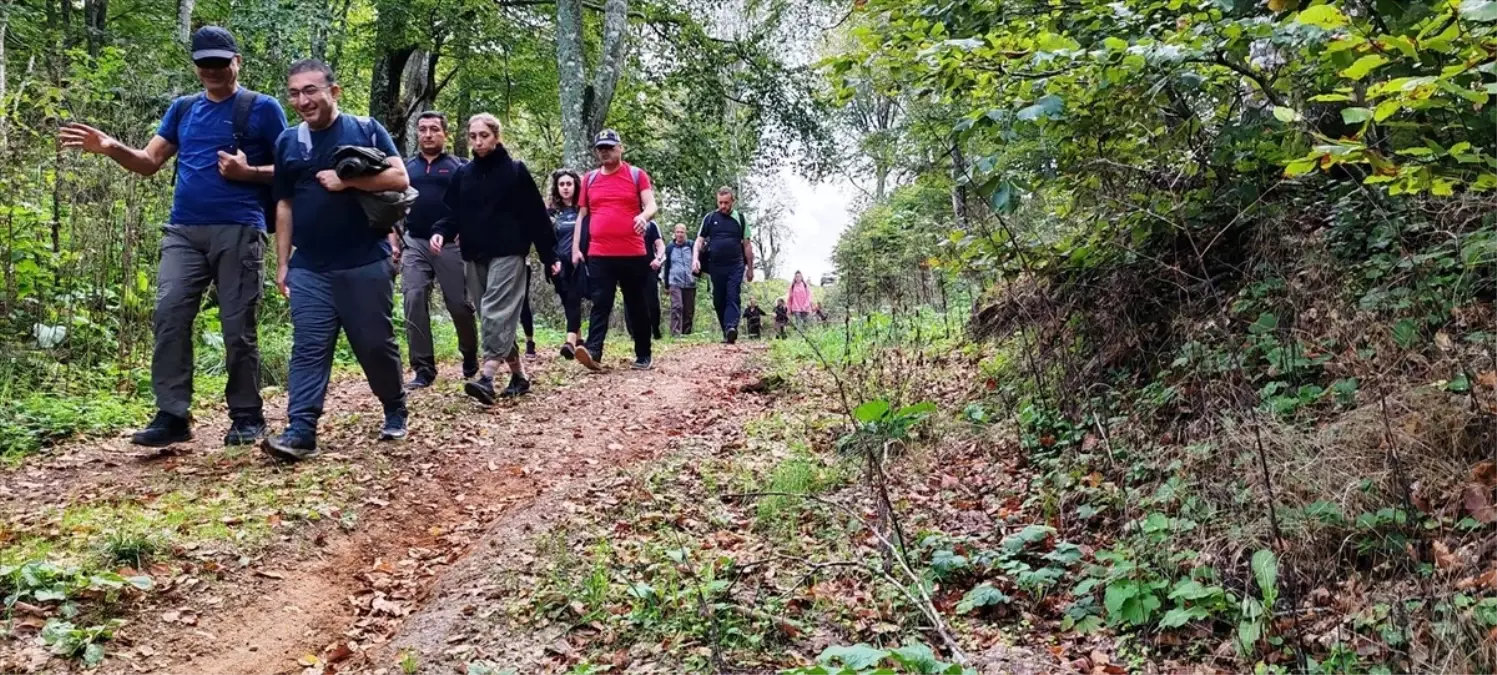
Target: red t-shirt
x=612 y=202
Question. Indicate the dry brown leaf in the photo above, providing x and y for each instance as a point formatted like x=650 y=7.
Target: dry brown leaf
x=1477 y=500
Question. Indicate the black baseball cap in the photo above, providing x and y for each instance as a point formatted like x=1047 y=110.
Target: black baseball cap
x=606 y=137
x=213 y=43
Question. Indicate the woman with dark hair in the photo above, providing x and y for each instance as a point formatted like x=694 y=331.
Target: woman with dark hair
x=562 y=203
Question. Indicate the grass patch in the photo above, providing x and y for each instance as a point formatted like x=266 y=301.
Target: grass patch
x=38 y=421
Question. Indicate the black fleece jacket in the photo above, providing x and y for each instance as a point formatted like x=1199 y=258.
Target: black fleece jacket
x=497 y=210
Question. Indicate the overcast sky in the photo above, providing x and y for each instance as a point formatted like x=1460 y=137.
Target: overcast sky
x=816 y=213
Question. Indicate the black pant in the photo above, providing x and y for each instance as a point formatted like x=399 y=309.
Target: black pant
x=569 y=288
x=631 y=274
x=527 y=319
x=654 y=304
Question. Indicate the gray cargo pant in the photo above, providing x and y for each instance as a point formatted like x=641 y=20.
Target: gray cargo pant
x=500 y=286
x=418 y=267
x=232 y=257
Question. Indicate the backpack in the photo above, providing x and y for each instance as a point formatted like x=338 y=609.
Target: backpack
x=587 y=181
x=244 y=104
x=706 y=254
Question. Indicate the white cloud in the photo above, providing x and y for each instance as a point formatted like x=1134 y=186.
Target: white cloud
x=817 y=215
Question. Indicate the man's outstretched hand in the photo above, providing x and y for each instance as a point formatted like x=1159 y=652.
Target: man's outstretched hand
x=86 y=138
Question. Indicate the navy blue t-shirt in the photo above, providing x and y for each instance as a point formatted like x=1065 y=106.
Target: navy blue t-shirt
x=328 y=229
x=430 y=180
x=200 y=128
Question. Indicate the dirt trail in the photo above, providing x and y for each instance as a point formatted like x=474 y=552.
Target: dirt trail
x=329 y=595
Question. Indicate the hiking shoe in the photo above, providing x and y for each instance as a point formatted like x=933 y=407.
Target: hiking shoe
x=470 y=367
x=292 y=445
x=245 y=431
x=732 y=335
x=585 y=358
x=568 y=352
x=394 y=428
x=164 y=429
x=530 y=354
x=643 y=363
x=518 y=386
x=420 y=381
x=481 y=389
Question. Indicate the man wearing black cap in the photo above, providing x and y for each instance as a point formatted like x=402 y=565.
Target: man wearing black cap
x=616 y=204
x=223 y=139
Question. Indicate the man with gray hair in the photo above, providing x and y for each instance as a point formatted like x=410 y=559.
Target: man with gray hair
x=497 y=209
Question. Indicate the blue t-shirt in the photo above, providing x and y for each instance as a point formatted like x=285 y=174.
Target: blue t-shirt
x=200 y=128
x=328 y=229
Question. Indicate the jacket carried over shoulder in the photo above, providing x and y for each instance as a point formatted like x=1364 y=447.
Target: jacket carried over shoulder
x=497 y=209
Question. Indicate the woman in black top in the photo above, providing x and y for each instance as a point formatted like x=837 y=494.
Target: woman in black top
x=565 y=184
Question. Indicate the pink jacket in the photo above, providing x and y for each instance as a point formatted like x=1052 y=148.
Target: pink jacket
x=800 y=297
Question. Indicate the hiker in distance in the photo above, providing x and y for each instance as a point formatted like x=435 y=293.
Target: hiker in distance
x=498 y=212
x=681 y=282
x=223 y=138
x=617 y=204
x=340 y=275
x=431 y=171
x=724 y=251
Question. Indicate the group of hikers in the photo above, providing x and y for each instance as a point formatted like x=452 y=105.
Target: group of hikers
x=325 y=188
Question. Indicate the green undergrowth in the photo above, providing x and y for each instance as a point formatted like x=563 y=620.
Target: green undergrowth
x=84 y=565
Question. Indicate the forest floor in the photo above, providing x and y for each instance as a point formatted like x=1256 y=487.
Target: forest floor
x=259 y=568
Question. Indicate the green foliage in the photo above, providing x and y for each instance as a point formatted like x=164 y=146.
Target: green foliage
x=863 y=659
x=32 y=423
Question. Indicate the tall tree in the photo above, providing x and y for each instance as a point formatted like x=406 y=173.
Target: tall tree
x=584 y=105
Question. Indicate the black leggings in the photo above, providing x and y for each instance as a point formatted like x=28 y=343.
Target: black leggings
x=527 y=320
x=569 y=288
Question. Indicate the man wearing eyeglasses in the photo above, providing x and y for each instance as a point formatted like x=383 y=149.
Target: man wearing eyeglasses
x=340 y=276
x=223 y=139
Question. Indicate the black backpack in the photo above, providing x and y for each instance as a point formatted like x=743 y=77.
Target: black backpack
x=244 y=103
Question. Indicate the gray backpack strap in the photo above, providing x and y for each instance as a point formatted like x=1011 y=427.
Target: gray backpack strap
x=304 y=139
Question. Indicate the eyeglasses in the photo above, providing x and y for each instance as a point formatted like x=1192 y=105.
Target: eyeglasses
x=305 y=92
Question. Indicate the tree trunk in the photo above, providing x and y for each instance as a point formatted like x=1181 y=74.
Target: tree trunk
x=95 y=21
x=584 y=107
x=571 y=69
x=384 y=91
x=184 y=20
x=419 y=94
x=458 y=125
x=959 y=185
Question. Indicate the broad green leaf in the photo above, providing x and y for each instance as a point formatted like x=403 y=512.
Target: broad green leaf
x=982 y=595
x=93 y=653
x=1266 y=570
x=1300 y=167
x=1355 y=115
x=857 y=657
x=1285 y=115
x=1323 y=16
x=1386 y=109
x=1484 y=182
x=1405 y=333
x=871 y=411
x=916 y=658
x=1363 y=66
x=1114 y=44
x=1180 y=616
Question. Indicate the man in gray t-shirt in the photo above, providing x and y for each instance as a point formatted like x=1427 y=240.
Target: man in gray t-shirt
x=682 y=282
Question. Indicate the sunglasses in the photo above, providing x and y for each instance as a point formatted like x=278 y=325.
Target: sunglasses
x=212 y=64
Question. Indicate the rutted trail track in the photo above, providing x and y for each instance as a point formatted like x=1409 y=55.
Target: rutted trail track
x=414 y=522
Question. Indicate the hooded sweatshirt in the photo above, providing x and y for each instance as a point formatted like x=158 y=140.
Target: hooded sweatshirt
x=497 y=210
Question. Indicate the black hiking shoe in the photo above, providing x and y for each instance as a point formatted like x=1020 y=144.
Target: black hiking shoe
x=292 y=445
x=585 y=358
x=568 y=352
x=420 y=381
x=245 y=430
x=394 y=428
x=481 y=389
x=732 y=335
x=518 y=386
x=165 y=429
x=530 y=354
x=643 y=363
